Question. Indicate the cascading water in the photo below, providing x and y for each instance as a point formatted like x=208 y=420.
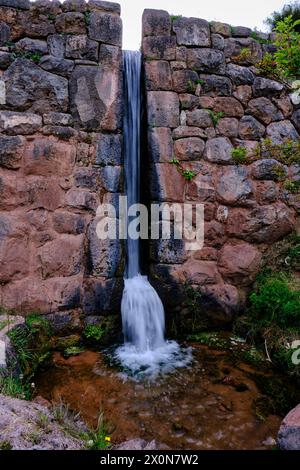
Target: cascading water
x=145 y=351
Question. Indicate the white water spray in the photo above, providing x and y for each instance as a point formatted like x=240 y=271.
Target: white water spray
x=145 y=351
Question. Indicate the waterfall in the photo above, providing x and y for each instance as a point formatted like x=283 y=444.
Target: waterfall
x=145 y=351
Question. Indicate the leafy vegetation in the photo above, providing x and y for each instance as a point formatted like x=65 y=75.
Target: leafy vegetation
x=239 y=155
x=215 y=117
x=292 y=186
x=185 y=172
x=291 y=9
x=101 y=333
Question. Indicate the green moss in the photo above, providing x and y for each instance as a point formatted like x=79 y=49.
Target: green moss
x=215 y=117
x=67 y=342
x=102 y=333
x=239 y=155
x=292 y=186
x=72 y=351
x=175 y=17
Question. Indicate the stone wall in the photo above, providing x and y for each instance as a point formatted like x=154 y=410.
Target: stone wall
x=193 y=71
x=60 y=154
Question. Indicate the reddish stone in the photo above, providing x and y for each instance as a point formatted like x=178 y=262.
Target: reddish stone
x=214 y=234
x=187 y=131
x=184 y=81
x=167 y=184
x=158 y=75
x=229 y=106
x=160 y=144
x=239 y=263
x=201 y=189
x=243 y=93
x=45 y=156
x=191 y=148
x=163 y=109
x=228 y=127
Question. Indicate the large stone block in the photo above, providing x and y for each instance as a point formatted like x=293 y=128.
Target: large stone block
x=44 y=192
x=70 y=23
x=14 y=248
x=102 y=296
x=30 y=87
x=166 y=183
x=158 y=75
x=234 y=47
x=11 y=151
x=240 y=75
x=218 y=150
x=96 y=97
x=282 y=131
x=163 y=109
x=81 y=199
x=159 y=47
x=81 y=47
x=105 y=27
x=57 y=65
x=199 y=118
x=229 y=106
x=156 y=23
x=104 y=256
x=251 y=129
x=239 y=263
x=206 y=60
x=61 y=257
x=184 y=81
x=233 y=186
x=14 y=123
x=168 y=251
x=45 y=156
x=108 y=149
x=266 y=87
x=264 y=110
x=190 y=148
x=67 y=222
x=216 y=85
x=32 y=46
x=160 y=144
x=56 y=45
x=263 y=224
x=192 y=32
x=267 y=169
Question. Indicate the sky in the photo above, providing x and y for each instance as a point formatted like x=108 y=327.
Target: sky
x=235 y=12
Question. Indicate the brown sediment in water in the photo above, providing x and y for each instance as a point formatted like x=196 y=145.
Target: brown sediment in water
x=209 y=405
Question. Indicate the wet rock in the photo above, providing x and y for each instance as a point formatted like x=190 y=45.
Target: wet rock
x=168 y=251
x=237 y=269
x=163 y=109
x=159 y=47
x=160 y=144
x=216 y=85
x=206 y=60
x=156 y=23
x=234 y=187
x=218 y=150
x=228 y=127
x=19 y=123
x=158 y=75
x=281 y=131
x=266 y=169
x=81 y=47
x=192 y=32
x=109 y=149
x=240 y=75
x=11 y=151
x=105 y=27
x=30 y=87
x=265 y=87
x=199 y=118
x=190 y=148
x=289 y=432
x=96 y=97
x=21 y=419
x=250 y=128
x=228 y=106
x=264 y=110
x=102 y=296
x=70 y=23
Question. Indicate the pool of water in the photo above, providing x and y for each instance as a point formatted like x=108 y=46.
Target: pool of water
x=209 y=404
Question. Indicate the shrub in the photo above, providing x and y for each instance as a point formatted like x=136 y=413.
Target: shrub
x=291 y=9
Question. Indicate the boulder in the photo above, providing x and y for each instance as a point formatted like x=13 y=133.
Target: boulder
x=206 y=60
x=220 y=28
x=221 y=302
x=188 y=131
x=158 y=75
x=81 y=47
x=192 y=32
x=45 y=157
x=240 y=75
x=67 y=222
x=228 y=127
x=56 y=45
x=184 y=81
x=234 y=186
x=70 y=23
x=243 y=93
x=216 y=85
x=57 y=65
x=217 y=42
x=99 y=5
x=32 y=46
x=289 y=432
x=28 y=87
x=102 y=295
x=266 y=87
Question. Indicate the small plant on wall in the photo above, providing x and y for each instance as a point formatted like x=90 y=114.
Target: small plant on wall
x=185 y=172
